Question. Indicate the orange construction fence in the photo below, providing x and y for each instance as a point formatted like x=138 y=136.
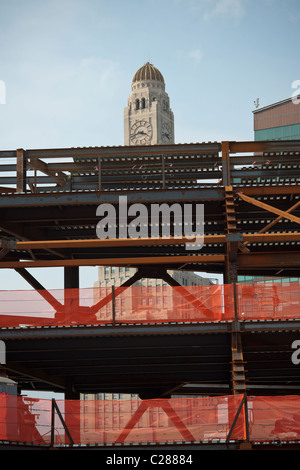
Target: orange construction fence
x=186 y=419
x=157 y=304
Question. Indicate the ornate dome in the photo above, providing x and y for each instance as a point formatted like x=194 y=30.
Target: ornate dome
x=148 y=72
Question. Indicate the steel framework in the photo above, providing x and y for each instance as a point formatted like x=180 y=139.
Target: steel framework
x=250 y=192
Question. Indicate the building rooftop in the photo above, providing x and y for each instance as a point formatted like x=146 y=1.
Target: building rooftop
x=275 y=103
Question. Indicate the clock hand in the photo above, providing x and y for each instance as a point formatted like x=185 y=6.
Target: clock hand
x=140 y=132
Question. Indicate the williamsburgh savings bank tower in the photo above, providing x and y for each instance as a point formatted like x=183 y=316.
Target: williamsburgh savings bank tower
x=148 y=118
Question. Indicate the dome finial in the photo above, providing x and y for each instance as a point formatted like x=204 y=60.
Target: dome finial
x=148 y=72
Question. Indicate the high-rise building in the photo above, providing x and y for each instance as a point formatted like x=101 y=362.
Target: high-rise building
x=148 y=118
x=115 y=276
x=148 y=299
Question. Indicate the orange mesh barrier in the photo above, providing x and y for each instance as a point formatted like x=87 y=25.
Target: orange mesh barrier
x=157 y=304
x=132 y=304
x=274 y=418
x=270 y=300
x=175 y=304
x=25 y=419
x=120 y=421
x=189 y=419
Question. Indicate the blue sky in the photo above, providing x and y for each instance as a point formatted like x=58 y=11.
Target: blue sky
x=67 y=66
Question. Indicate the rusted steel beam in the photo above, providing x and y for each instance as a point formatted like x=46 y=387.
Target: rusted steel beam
x=188 y=296
x=40 y=289
x=231 y=248
x=43 y=167
x=261 y=190
x=197 y=260
x=123 y=242
x=94 y=243
x=274 y=222
x=83 y=153
x=21 y=171
x=264 y=146
x=225 y=164
x=4 y=189
x=238 y=377
x=271 y=237
x=12 y=244
x=174 y=149
x=117 y=291
x=269 y=260
x=66 y=198
x=269 y=208
x=165 y=405
x=3 y=252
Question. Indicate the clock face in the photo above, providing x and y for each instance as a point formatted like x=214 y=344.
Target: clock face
x=141 y=132
x=166 y=133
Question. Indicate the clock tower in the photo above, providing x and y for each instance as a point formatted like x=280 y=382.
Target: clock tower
x=148 y=118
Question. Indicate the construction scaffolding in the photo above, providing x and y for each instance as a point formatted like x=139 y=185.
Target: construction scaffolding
x=126 y=339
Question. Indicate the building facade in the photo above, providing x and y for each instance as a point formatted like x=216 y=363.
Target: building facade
x=147 y=300
x=115 y=276
x=148 y=118
x=278 y=121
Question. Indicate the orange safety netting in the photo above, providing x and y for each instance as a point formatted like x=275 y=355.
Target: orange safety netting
x=157 y=304
x=186 y=419
x=268 y=300
x=135 y=304
x=275 y=418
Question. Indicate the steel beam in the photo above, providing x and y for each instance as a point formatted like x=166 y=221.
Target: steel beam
x=274 y=222
x=268 y=190
x=233 y=238
x=269 y=260
x=266 y=146
x=167 y=408
x=112 y=242
x=269 y=208
x=39 y=288
x=187 y=295
x=86 y=153
x=21 y=171
x=197 y=260
x=67 y=198
x=165 y=241
x=115 y=292
x=43 y=167
x=226 y=164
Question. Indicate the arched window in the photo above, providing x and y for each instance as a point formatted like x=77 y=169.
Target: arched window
x=137 y=104
x=143 y=103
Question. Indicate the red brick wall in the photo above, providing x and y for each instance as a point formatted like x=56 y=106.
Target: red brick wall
x=283 y=114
